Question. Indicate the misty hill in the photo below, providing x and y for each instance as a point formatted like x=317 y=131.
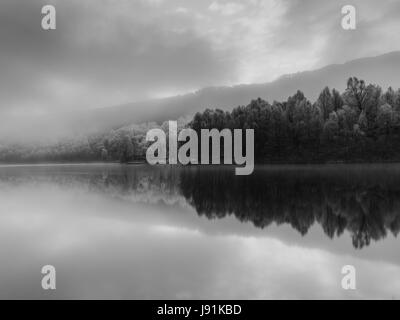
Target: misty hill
x=381 y=70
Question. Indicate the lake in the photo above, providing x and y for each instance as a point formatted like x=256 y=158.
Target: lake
x=118 y=231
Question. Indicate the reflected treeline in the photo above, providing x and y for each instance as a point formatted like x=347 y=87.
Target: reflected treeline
x=361 y=199
x=142 y=183
x=364 y=201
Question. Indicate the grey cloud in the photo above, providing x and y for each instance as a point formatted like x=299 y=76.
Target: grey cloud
x=308 y=19
x=110 y=52
x=102 y=54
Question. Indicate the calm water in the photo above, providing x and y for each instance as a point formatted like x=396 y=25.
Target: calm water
x=116 y=231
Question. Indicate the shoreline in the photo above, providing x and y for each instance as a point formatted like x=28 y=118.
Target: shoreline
x=135 y=163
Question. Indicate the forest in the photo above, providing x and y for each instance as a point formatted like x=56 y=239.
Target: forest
x=362 y=124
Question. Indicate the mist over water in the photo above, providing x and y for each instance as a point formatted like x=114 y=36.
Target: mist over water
x=95 y=97
x=115 y=231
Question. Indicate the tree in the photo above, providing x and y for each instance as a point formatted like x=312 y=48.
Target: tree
x=396 y=104
x=127 y=151
x=291 y=104
x=389 y=97
x=104 y=154
x=337 y=100
x=307 y=124
x=355 y=93
x=325 y=103
x=331 y=128
x=370 y=107
x=385 y=117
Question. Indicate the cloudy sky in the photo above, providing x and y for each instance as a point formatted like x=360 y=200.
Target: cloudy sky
x=109 y=52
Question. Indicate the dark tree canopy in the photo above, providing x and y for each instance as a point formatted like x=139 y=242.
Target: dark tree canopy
x=361 y=124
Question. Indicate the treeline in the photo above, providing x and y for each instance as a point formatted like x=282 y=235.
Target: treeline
x=122 y=145
x=118 y=145
x=361 y=124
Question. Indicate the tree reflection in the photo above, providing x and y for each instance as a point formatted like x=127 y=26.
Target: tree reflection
x=362 y=200
x=366 y=203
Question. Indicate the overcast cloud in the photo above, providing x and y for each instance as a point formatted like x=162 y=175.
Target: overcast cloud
x=109 y=52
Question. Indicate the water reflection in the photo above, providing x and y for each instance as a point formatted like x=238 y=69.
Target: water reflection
x=116 y=231
x=364 y=201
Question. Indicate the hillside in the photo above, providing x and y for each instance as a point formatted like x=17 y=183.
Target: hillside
x=381 y=70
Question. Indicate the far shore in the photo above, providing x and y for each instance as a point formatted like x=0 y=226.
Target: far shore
x=133 y=163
